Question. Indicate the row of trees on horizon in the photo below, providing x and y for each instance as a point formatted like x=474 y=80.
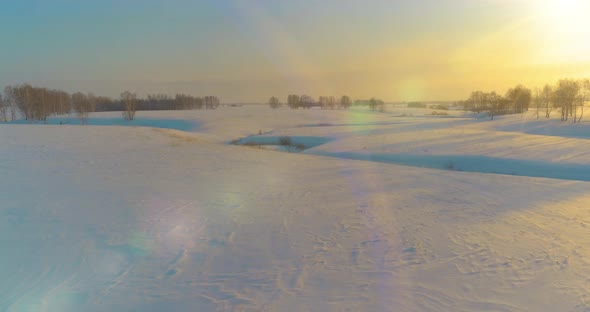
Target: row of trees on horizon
x=295 y=101
x=37 y=104
x=567 y=95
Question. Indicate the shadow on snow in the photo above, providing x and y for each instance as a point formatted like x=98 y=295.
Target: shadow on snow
x=481 y=164
x=176 y=124
x=305 y=142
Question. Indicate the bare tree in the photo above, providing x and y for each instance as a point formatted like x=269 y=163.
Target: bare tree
x=372 y=104
x=293 y=101
x=92 y=100
x=83 y=105
x=376 y=103
x=520 y=97
x=64 y=103
x=129 y=101
x=306 y=101
x=546 y=97
x=495 y=103
x=21 y=97
x=199 y=102
x=345 y=102
x=35 y=103
x=476 y=101
x=183 y=101
x=32 y=102
x=12 y=105
x=211 y=102
x=41 y=107
x=584 y=96
x=331 y=102
x=565 y=95
x=274 y=103
x=323 y=102
x=207 y=102
x=537 y=101
x=3 y=109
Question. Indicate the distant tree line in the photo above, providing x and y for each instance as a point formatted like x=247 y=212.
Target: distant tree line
x=37 y=104
x=373 y=103
x=416 y=105
x=179 y=102
x=567 y=95
x=295 y=101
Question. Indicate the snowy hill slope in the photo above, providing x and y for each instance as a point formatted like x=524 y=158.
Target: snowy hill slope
x=143 y=219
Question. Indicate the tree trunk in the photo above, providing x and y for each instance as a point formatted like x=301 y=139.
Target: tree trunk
x=575 y=109
x=582 y=109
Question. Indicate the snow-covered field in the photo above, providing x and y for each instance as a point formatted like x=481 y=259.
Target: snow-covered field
x=394 y=211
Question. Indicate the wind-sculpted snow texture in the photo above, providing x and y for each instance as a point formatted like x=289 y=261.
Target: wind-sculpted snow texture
x=144 y=219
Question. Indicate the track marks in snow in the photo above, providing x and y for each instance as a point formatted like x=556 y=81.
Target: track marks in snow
x=173 y=265
x=429 y=299
x=297 y=278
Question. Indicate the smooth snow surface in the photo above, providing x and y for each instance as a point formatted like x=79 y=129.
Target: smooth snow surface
x=146 y=219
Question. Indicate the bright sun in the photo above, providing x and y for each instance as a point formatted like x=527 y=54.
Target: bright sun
x=565 y=15
x=565 y=26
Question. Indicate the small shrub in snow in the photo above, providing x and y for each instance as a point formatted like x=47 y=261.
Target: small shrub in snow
x=129 y=101
x=285 y=141
x=252 y=144
x=450 y=165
